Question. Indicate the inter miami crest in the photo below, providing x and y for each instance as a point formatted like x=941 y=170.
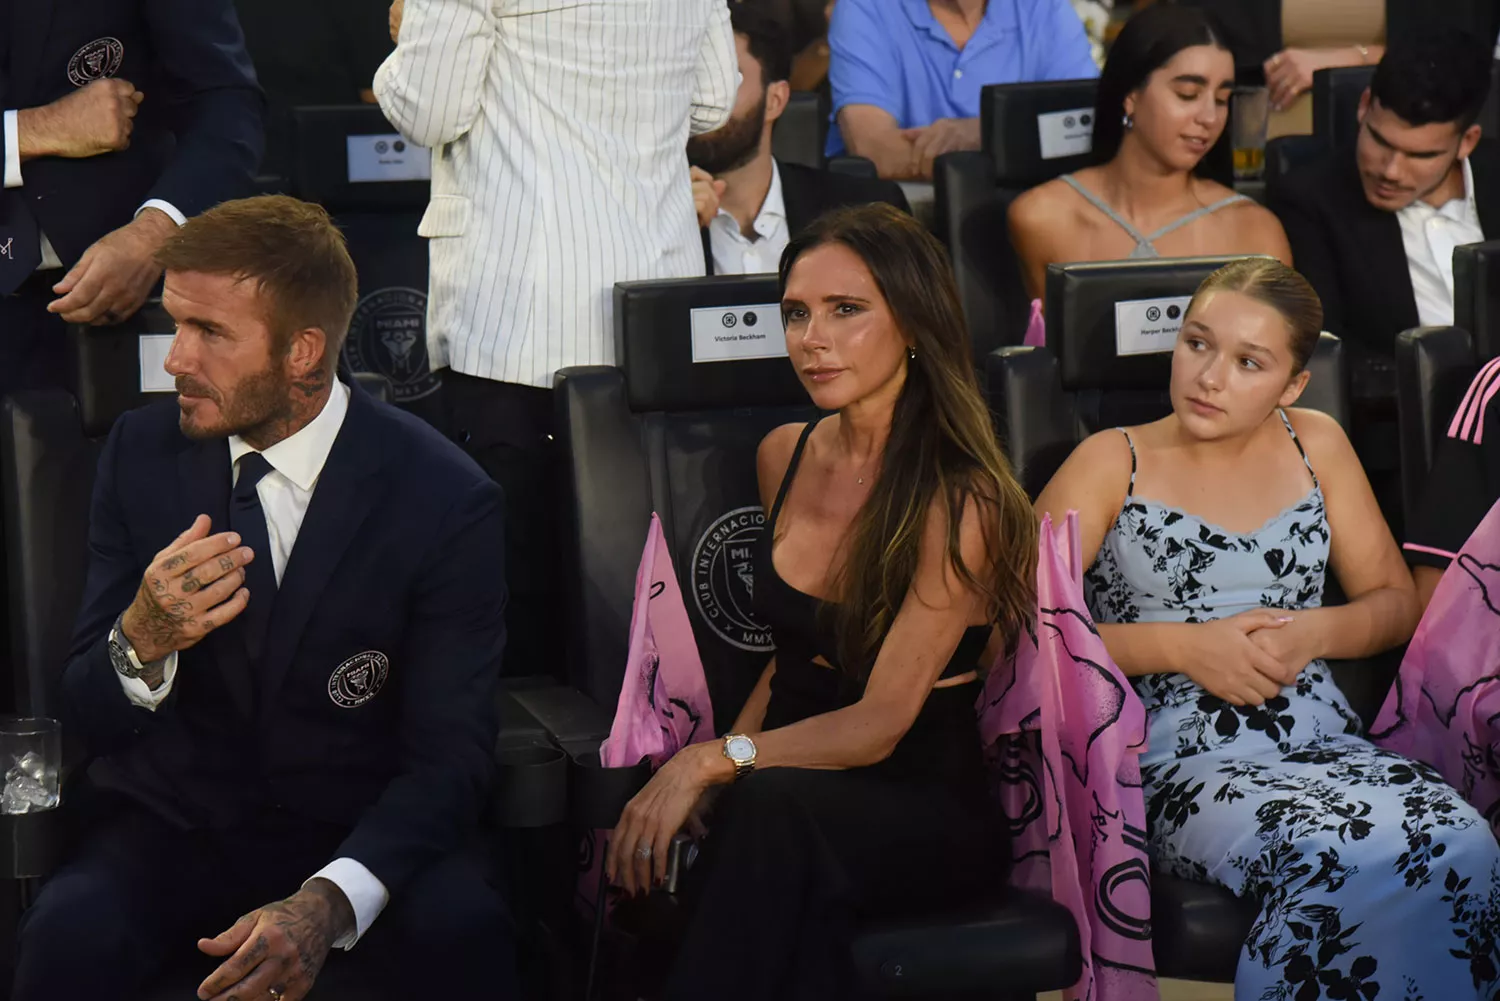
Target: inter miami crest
x=359 y=679
x=723 y=577
x=388 y=335
x=98 y=60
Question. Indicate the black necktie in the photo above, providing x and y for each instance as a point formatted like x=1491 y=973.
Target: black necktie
x=248 y=519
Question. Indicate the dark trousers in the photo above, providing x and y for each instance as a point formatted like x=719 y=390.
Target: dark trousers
x=139 y=894
x=507 y=429
x=796 y=856
x=33 y=342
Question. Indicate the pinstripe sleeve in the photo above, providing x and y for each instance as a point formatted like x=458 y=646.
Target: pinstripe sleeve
x=717 y=78
x=430 y=86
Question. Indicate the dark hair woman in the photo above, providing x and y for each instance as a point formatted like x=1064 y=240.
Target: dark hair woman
x=1163 y=103
x=897 y=548
x=1210 y=532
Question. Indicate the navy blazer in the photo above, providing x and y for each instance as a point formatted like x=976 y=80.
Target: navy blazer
x=399 y=557
x=198 y=138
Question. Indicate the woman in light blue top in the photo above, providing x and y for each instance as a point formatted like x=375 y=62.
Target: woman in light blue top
x=1210 y=534
x=1163 y=104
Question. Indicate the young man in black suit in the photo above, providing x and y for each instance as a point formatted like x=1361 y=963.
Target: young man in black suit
x=1373 y=227
x=122 y=118
x=749 y=203
x=285 y=663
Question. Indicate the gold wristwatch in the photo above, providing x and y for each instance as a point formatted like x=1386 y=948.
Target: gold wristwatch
x=740 y=749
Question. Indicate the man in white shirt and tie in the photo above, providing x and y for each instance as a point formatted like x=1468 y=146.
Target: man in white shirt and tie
x=558 y=170
x=286 y=661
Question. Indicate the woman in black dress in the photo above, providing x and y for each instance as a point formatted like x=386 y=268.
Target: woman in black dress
x=899 y=550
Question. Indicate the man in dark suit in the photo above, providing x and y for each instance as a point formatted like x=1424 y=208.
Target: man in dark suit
x=749 y=204
x=286 y=660
x=1373 y=227
x=121 y=119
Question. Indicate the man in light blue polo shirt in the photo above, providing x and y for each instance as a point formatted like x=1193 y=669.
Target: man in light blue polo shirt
x=906 y=74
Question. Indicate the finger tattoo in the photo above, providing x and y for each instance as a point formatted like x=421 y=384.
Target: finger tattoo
x=174 y=562
x=190 y=584
x=226 y=564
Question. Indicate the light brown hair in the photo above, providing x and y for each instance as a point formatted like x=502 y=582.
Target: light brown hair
x=1271 y=283
x=941 y=444
x=290 y=249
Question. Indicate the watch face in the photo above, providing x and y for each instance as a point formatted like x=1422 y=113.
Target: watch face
x=740 y=749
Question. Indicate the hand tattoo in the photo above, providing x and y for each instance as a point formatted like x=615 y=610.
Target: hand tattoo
x=226 y=563
x=190 y=584
x=174 y=562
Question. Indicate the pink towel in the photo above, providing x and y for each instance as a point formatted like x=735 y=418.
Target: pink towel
x=1036 y=327
x=1064 y=732
x=1444 y=709
x=664 y=703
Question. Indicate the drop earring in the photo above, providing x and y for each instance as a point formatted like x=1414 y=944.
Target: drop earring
x=911 y=354
x=1128 y=121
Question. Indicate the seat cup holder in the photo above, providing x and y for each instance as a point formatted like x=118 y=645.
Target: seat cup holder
x=598 y=795
x=532 y=790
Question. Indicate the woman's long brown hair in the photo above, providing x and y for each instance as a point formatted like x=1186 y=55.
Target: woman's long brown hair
x=942 y=444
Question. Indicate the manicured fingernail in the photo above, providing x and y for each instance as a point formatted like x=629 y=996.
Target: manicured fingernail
x=1285 y=618
x=234 y=540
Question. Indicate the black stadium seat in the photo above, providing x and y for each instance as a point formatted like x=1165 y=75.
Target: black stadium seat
x=1046 y=400
x=1335 y=96
x=1476 y=295
x=351 y=161
x=801 y=133
x=1434 y=366
x=665 y=433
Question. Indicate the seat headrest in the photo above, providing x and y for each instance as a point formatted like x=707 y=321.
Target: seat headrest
x=351 y=158
x=1336 y=94
x=1113 y=324
x=115 y=369
x=703 y=344
x=1037 y=131
x=1476 y=295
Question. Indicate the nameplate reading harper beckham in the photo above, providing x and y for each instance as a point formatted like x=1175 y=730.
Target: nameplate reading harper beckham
x=1148 y=326
x=738 y=333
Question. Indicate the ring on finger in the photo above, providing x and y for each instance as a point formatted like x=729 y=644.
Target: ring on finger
x=643 y=852
x=275 y=992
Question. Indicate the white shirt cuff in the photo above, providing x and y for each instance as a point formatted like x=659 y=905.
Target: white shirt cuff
x=136 y=690
x=167 y=207
x=367 y=895
x=12 y=149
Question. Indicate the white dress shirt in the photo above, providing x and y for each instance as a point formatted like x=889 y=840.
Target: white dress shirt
x=1429 y=234
x=559 y=167
x=736 y=254
x=285 y=492
x=13 y=179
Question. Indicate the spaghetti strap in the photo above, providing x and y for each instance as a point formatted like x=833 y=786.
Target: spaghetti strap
x=1300 y=450
x=1103 y=206
x=1194 y=216
x=791 y=471
x=1130 y=491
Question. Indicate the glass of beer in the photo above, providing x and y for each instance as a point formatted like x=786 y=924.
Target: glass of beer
x=1249 y=113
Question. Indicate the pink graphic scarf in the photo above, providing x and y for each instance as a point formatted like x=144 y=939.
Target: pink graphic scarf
x=1444 y=709
x=1064 y=732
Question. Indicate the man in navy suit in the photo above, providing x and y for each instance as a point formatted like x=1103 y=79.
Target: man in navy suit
x=121 y=119
x=286 y=661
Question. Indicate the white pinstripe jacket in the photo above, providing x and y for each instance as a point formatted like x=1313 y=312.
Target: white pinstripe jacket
x=558 y=130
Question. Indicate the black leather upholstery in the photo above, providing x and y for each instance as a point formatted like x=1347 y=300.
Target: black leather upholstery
x=801 y=133
x=853 y=166
x=379 y=219
x=1011 y=134
x=970 y=220
x=1285 y=154
x=1476 y=294
x=1434 y=366
x=660 y=433
x=1336 y=94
